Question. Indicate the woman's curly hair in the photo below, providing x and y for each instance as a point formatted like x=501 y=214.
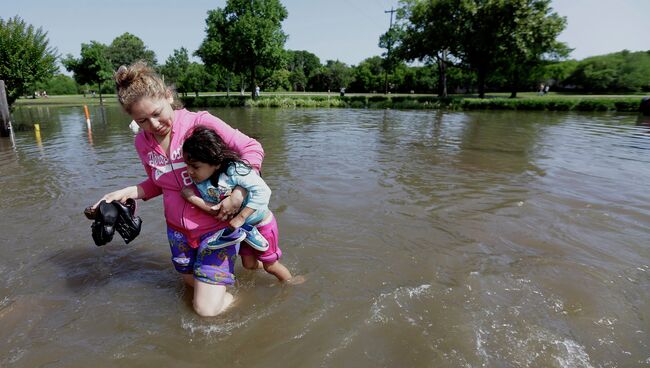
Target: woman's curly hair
x=138 y=80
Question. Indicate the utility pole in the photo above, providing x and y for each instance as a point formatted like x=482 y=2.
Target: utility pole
x=390 y=42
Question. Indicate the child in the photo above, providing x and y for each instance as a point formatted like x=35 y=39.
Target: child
x=216 y=170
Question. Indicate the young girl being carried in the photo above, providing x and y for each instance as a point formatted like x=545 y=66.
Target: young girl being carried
x=215 y=170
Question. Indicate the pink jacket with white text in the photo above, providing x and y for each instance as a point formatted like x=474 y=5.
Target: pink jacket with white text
x=168 y=175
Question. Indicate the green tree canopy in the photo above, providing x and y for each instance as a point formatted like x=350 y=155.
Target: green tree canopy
x=60 y=84
x=623 y=71
x=302 y=65
x=25 y=56
x=92 y=67
x=127 y=49
x=337 y=74
x=509 y=36
x=194 y=79
x=245 y=35
x=530 y=41
x=428 y=31
x=176 y=66
x=488 y=36
x=368 y=75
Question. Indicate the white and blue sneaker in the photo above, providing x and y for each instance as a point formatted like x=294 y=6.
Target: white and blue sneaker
x=225 y=237
x=254 y=238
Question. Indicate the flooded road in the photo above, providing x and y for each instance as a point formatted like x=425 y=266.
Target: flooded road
x=428 y=239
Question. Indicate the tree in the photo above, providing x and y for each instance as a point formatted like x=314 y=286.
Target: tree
x=92 y=67
x=278 y=81
x=337 y=74
x=25 y=56
x=368 y=75
x=634 y=74
x=558 y=71
x=623 y=71
x=302 y=65
x=425 y=79
x=529 y=40
x=244 y=36
x=429 y=32
x=127 y=49
x=60 y=84
x=298 y=80
x=195 y=79
x=176 y=66
x=499 y=35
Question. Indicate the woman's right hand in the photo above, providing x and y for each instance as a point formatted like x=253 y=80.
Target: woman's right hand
x=119 y=195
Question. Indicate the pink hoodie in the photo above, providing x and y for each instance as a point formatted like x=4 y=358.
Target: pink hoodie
x=168 y=175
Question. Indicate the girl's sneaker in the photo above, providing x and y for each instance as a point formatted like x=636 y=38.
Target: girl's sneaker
x=254 y=238
x=225 y=237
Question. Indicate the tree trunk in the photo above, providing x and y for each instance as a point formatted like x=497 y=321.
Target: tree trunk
x=253 y=83
x=228 y=85
x=442 y=75
x=514 y=85
x=385 y=82
x=481 y=81
x=101 y=101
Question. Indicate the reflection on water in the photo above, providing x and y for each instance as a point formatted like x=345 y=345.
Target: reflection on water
x=427 y=239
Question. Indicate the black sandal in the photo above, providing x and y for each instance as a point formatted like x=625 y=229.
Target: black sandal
x=103 y=227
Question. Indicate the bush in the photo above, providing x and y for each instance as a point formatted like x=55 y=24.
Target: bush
x=560 y=104
x=627 y=105
x=592 y=104
x=375 y=99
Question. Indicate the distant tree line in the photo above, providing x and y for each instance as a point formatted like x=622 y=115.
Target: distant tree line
x=621 y=72
x=460 y=46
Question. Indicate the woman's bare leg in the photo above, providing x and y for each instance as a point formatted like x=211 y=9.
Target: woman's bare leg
x=209 y=299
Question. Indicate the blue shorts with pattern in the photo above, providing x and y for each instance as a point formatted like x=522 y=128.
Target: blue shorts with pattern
x=211 y=266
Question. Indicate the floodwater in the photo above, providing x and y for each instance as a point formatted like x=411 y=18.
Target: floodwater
x=428 y=239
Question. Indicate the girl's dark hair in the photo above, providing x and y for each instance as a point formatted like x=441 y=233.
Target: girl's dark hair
x=204 y=145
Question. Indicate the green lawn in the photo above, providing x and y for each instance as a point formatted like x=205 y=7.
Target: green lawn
x=71 y=100
x=110 y=99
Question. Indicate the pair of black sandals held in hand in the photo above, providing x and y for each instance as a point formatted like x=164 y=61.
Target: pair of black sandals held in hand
x=114 y=216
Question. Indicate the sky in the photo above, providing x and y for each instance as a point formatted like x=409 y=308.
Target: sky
x=345 y=30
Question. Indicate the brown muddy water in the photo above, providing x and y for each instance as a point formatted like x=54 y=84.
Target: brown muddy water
x=428 y=239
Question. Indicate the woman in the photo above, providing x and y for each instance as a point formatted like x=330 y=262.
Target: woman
x=164 y=126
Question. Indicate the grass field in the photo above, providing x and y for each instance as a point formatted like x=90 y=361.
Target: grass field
x=494 y=101
x=66 y=100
